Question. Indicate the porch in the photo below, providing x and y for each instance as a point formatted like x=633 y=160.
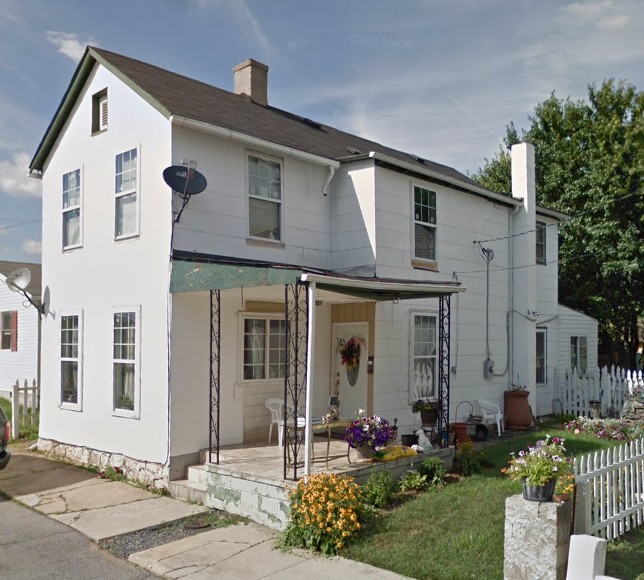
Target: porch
x=248 y=480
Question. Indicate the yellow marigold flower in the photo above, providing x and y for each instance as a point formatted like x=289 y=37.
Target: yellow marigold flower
x=321 y=526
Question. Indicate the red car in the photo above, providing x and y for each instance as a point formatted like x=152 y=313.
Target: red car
x=5 y=432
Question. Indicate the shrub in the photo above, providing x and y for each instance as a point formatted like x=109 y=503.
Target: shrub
x=467 y=458
x=326 y=513
x=434 y=470
x=412 y=481
x=379 y=490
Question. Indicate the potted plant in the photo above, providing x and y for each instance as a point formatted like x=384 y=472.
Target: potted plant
x=428 y=411
x=539 y=467
x=365 y=434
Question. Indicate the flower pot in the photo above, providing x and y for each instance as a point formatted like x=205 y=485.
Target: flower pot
x=518 y=415
x=409 y=440
x=364 y=452
x=460 y=431
x=352 y=373
x=539 y=492
x=429 y=416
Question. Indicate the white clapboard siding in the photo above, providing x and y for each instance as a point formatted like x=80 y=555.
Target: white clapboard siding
x=610 y=386
x=609 y=498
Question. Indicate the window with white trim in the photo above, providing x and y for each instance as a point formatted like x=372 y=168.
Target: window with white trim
x=541 y=243
x=125 y=360
x=264 y=348
x=99 y=111
x=9 y=330
x=70 y=360
x=424 y=223
x=424 y=359
x=126 y=192
x=264 y=198
x=72 y=209
x=541 y=359
x=579 y=353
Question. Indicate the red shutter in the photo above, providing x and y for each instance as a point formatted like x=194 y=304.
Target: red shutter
x=14 y=331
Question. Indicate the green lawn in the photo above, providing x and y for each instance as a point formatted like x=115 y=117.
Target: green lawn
x=457 y=531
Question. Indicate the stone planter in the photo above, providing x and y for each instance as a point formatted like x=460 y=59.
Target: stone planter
x=364 y=452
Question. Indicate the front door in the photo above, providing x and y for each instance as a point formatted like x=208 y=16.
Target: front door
x=349 y=380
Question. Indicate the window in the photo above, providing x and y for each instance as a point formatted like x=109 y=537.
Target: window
x=9 y=330
x=264 y=349
x=424 y=359
x=579 y=353
x=126 y=209
x=264 y=198
x=541 y=367
x=99 y=111
x=125 y=361
x=70 y=359
x=424 y=223
x=541 y=243
x=71 y=209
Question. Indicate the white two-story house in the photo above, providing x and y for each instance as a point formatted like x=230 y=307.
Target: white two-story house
x=165 y=336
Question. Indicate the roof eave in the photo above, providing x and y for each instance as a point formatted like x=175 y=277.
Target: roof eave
x=553 y=213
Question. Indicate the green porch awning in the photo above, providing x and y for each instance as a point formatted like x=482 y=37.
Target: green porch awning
x=192 y=276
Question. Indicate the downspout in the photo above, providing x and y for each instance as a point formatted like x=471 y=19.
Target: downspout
x=325 y=187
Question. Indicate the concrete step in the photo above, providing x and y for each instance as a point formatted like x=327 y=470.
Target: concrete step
x=186 y=490
x=197 y=473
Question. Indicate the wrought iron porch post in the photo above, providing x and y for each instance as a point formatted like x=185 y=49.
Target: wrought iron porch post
x=215 y=373
x=297 y=318
x=443 y=368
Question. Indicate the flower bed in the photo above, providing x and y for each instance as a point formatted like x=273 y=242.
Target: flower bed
x=605 y=428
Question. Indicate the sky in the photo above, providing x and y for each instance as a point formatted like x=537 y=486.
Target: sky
x=437 y=78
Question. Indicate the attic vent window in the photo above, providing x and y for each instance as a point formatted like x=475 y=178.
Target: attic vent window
x=99 y=112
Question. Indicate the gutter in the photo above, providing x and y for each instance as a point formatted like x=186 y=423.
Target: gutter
x=253 y=141
x=448 y=288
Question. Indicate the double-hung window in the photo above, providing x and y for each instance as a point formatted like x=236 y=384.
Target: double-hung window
x=264 y=349
x=541 y=243
x=125 y=360
x=264 y=198
x=424 y=364
x=424 y=224
x=70 y=360
x=579 y=353
x=9 y=330
x=126 y=192
x=72 y=209
x=541 y=368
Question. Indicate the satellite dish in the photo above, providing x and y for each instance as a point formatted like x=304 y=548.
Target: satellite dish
x=19 y=279
x=184 y=180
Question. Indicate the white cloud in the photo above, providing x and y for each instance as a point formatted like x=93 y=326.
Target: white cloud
x=69 y=44
x=14 y=180
x=33 y=247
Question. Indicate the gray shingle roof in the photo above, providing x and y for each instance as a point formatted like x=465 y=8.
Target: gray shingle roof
x=35 y=286
x=175 y=94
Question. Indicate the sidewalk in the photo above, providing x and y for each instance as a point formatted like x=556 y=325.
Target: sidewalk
x=102 y=509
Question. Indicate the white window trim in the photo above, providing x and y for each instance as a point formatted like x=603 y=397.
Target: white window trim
x=240 y=367
x=137 y=191
x=80 y=213
x=248 y=196
x=136 y=412
x=414 y=221
x=412 y=357
x=578 y=366
x=543 y=331
x=78 y=406
x=544 y=227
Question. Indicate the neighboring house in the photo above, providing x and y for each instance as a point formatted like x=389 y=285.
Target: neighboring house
x=19 y=329
x=161 y=339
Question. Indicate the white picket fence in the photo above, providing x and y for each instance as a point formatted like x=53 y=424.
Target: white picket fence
x=609 y=498
x=609 y=386
x=25 y=406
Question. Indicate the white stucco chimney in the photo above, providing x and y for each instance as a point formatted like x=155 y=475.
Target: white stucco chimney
x=251 y=79
x=524 y=282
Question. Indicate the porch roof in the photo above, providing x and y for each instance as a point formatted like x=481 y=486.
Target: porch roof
x=202 y=272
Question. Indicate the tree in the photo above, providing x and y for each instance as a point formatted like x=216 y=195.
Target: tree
x=590 y=165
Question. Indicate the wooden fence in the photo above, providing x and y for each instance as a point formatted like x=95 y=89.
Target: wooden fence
x=609 y=498
x=610 y=386
x=25 y=406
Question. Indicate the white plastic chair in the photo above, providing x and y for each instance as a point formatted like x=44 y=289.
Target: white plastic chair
x=276 y=407
x=492 y=412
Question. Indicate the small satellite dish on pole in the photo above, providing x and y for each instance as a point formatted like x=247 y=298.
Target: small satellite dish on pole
x=18 y=281
x=185 y=181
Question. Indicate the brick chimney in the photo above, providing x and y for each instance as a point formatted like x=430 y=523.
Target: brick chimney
x=251 y=79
